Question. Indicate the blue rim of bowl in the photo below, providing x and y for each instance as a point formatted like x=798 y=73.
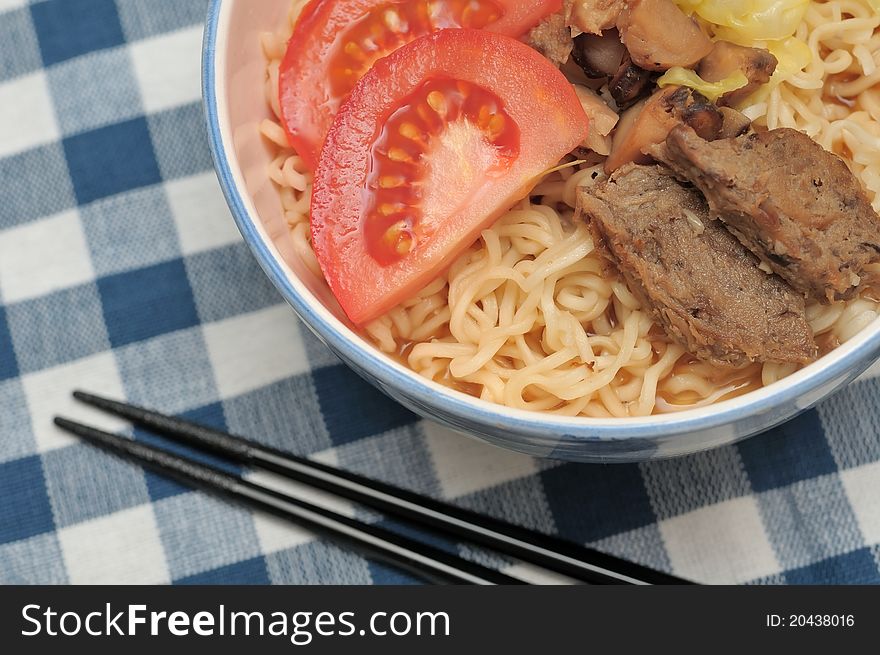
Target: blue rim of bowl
x=544 y=429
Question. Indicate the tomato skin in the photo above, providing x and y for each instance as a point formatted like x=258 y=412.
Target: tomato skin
x=308 y=104
x=536 y=96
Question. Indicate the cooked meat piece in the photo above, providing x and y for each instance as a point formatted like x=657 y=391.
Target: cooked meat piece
x=792 y=203
x=552 y=36
x=595 y=16
x=602 y=120
x=648 y=122
x=726 y=58
x=599 y=55
x=701 y=284
x=629 y=83
x=659 y=36
x=733 y=123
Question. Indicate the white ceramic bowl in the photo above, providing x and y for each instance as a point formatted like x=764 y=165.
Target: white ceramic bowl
x=234 y=103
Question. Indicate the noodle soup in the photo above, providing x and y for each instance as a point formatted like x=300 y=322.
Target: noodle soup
x=533 y=317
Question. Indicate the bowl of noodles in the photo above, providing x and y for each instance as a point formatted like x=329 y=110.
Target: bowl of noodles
x=527 y=338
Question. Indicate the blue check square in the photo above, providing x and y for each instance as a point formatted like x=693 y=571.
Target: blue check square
x=162 y=487
x=794 y=451
x=353 y=409
x=8 y=361
x=856 y=567
x=24 y=504
x=579 y=497
x=248 y=572
x=111 y=160
x=147 y=302
x=386 y=575
x=70 y=28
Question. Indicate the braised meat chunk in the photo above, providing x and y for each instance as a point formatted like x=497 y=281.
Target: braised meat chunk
x=595 y=16
x=702 y=285
x=552 y=36
x=791 y=202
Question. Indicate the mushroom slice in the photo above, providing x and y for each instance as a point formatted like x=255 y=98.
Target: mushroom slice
x=599 y=55
x=733 y=123
x=659 y=36
x=629 y=83
x=602 y=120
x=726 y=58
x=648 y=122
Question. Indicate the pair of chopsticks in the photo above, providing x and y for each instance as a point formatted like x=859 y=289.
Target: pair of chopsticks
x=423 y=560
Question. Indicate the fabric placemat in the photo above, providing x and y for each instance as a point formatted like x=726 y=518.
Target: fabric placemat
x=121 y=272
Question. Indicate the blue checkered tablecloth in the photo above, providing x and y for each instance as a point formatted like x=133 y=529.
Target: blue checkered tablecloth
x=121 y=272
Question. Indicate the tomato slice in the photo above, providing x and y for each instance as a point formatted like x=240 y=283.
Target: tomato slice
x=435 y=142
x=336 y=41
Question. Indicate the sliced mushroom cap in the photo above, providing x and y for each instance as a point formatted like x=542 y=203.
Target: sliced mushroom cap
x=733 y=123
x=599 y=55
x=630 y=83
x=602 y=120
x=726 y=58
x=659 y=36
x=649 y=122
x=704 y=117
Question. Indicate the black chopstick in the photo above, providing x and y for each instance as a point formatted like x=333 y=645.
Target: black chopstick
x=570 y=559
x=416 y=557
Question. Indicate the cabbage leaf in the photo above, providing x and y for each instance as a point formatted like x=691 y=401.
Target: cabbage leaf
x=712 y=90
x=750 y=20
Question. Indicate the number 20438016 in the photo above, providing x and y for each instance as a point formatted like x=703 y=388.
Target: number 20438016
x=810 y=621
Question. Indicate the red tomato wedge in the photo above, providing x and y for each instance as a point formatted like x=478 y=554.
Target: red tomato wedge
x=336 y=41
x=435 y=142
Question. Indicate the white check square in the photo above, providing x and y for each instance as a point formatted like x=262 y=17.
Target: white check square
x=9 y=5
x=44 y=256
x=122 y=548
x=168 y=69
x=465 y=465
x=276 y=534
x=724 y=543
x=28 y=114
x=48 y=394
x=861 y=490
x=202 y=218
x=254 y=350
